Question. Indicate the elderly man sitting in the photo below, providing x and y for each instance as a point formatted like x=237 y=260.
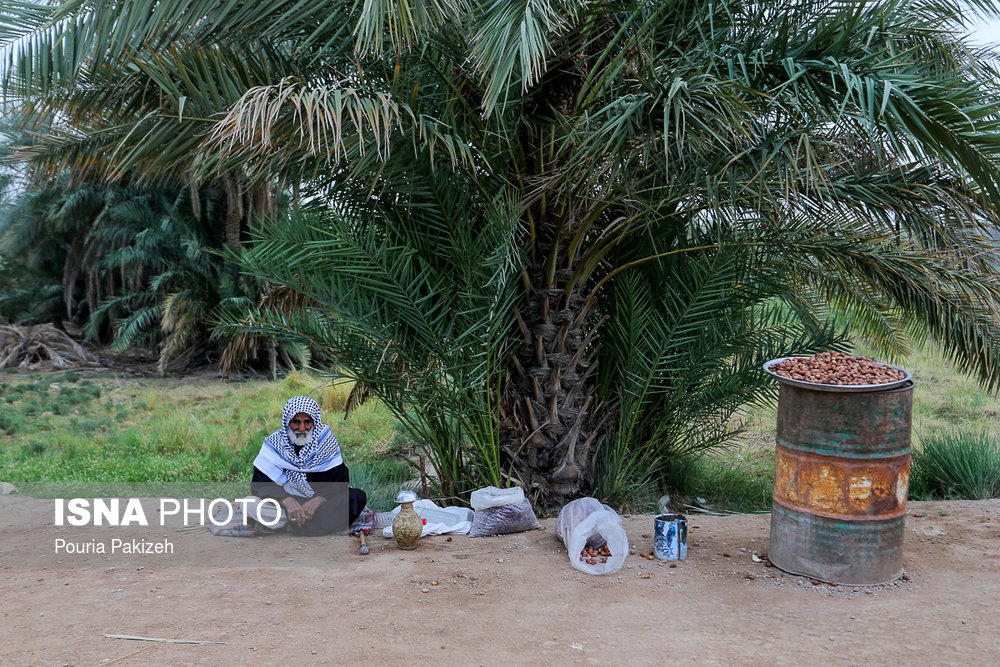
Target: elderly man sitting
x=300 y=466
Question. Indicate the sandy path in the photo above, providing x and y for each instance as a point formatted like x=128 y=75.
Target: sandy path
x=506 y=600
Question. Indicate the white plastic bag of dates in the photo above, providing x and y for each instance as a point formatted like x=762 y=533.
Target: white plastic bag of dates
x=593 y=535
x=501 y=511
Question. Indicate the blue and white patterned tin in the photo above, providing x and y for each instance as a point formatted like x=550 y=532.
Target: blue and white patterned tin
x=670 y=536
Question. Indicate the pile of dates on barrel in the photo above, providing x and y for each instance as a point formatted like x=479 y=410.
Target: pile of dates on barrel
x=837 y=368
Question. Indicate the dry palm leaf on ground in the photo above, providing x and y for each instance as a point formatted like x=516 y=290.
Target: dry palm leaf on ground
x=23 y=346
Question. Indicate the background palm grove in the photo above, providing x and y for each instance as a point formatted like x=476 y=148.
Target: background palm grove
x=556 y=238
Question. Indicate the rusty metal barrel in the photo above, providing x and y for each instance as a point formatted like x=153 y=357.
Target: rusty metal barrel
x=842 y=470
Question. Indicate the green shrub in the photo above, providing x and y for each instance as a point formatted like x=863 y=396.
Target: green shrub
x=28 y=388
x=625 y=480
x=72 y=450
x=32 y=408
x=10 y=420
x=68 y=396
x=956 y=465
x=89 y=424
x=32 y=449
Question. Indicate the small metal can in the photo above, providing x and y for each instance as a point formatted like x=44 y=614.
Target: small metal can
x=670 y=536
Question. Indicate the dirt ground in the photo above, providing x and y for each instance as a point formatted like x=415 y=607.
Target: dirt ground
x=514 y=599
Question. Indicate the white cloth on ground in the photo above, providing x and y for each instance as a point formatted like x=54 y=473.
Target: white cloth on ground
x=256 y=507
x=440 y=520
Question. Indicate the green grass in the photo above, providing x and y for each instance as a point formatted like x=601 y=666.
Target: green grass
x=61 y=428
x=944 y=399
x=737 y=479
x=380 y=481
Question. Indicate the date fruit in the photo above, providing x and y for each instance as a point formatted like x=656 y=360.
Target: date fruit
x=837 y=368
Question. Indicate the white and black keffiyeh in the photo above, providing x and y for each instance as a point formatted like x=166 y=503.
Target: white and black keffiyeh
x=277 y=458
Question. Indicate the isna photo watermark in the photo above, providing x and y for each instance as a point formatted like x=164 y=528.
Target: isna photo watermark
x=192 y=511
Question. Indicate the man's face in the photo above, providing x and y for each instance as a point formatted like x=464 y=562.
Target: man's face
x=299 y=427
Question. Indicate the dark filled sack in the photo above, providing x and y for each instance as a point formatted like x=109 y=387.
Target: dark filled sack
x=501 y=511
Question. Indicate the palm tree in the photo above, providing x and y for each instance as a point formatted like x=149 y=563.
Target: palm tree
x=690 y=186
x=133 y=264
x=172 y=279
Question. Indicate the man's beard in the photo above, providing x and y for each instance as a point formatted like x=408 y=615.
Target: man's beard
x=299 y=440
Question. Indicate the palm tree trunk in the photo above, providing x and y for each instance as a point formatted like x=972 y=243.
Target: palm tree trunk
x=234 y=210
x=552 y=409
x=549 y=408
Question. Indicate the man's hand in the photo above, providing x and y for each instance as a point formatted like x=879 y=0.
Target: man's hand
x=296 y=512
x=310 y=506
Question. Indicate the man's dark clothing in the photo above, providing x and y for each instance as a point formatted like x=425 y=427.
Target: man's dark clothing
x=329 y=517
